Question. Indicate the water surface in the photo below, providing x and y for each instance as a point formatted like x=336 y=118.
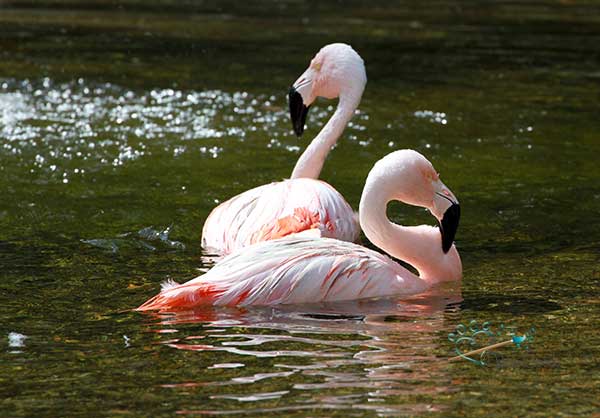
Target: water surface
x=122 y=126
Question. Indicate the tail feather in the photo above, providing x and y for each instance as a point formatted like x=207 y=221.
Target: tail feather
x=182 y=296
x=168 y=284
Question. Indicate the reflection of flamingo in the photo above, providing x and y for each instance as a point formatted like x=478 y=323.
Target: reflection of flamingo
x=302 y=269
x=301 y=203
x=383 y=350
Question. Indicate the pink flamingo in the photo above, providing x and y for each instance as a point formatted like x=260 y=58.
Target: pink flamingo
x=301 y=203
x=299 y=269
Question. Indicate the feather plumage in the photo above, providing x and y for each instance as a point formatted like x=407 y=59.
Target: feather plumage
x=294 y=269
x=277 y=210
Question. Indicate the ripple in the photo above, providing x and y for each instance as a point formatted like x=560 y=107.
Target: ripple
x=139 y=240
x=261 y=376
x=226 y=366
x=381 y=410
x=355 y=355
x=254 y=397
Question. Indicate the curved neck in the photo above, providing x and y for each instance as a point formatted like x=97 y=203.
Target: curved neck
x=311 y=161
x=420 y=246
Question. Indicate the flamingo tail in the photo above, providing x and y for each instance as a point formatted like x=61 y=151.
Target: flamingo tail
x=182 y=296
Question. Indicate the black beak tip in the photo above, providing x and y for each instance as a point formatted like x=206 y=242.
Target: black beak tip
x=449 y=225
x=298 y=111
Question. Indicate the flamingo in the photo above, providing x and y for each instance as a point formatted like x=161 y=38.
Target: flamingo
x=301 y=269
x=302 y=202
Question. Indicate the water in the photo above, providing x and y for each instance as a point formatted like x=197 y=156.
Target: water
x=122 y=126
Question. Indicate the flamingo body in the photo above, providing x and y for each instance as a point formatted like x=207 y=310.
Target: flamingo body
x=292 y=270
x=300 y=269
x=277 y=210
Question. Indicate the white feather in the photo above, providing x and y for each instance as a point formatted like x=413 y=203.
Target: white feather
x=168 y=285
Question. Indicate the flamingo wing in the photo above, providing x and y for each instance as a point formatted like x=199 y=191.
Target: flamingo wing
x=277 y=210
x=293 y=269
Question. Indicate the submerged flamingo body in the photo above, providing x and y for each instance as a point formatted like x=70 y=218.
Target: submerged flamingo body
x=277 y=210
x=301 y=203
x=292 y=270
x=300 y=269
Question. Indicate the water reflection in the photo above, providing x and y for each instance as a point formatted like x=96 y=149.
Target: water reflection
x=351 y=355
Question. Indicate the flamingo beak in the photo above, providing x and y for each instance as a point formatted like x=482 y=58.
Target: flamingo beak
x=298 y=111
x=447 y=211
x=300 y=98
x=449 y=225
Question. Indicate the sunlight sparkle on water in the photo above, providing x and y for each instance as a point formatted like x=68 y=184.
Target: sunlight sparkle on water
x=16 y=339
x=63 y=130
x=435 y=117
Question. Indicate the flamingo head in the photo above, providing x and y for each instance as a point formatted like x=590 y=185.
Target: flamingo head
x=335 y=71
x=413 y=180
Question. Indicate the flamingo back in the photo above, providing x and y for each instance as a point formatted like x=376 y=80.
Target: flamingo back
x=276 y=210
x=292 y=270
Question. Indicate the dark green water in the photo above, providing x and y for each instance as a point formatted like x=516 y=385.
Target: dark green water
x=121 y=126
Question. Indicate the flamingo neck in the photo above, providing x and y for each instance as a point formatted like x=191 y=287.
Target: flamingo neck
x=311 y=161
x=419 y=246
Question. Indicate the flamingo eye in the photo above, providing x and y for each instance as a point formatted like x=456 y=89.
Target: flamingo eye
x=316 y=65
